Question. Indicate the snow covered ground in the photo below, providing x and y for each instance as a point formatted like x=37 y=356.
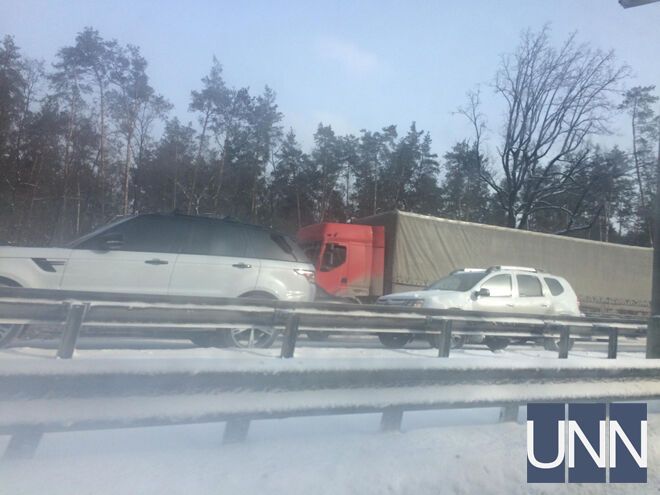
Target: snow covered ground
x=459 y=451
x=337 y=455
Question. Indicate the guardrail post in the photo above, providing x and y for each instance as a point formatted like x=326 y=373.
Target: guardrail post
x=612 y=343
x=653 y=337
x=444 y=339
x=391 y=419
x=23 y=443
x=509 y=413
x=74 y=319
x=564 y=340
x=14 y=333
x=236 y=430
x=290 y=335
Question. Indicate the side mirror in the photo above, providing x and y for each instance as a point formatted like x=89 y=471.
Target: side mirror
x=483 y=292
x=111 y=242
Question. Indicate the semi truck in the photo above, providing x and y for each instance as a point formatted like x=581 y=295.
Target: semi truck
x=399 y=251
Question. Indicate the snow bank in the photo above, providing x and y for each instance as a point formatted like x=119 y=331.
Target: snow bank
x=189 y=460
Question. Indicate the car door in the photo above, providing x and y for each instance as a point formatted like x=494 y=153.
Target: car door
x=283 y=265
x=531 y=298
x=137 y=255
x=213 y=261
x=500 y=298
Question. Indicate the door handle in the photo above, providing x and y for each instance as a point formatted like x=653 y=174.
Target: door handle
x=241 y=265
x=156 y=261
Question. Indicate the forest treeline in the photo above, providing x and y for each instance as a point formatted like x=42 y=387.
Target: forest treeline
x=88 y=138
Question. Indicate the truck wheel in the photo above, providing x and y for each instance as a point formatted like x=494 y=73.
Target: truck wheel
x=395 y=340
x=496 y=343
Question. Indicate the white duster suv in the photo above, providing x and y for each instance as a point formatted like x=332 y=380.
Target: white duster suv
x=171 y=254
x=504 y=289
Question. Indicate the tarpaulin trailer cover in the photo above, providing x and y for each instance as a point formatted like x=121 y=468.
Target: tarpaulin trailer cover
x=420 y=249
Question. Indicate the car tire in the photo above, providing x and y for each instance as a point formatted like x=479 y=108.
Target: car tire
x=552 y=344
x=254 y=337
x=250 y=338
x=395 y=340
x=496 y=343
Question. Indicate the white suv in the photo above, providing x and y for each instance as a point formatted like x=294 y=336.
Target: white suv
x=171 y=254
x=505 y=289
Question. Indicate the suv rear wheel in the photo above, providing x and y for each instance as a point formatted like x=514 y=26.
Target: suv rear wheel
x=253 y=337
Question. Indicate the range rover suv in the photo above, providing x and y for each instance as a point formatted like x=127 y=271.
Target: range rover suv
x=171 y=254
x=503 y=289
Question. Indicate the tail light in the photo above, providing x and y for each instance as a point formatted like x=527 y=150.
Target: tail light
x=310 y=275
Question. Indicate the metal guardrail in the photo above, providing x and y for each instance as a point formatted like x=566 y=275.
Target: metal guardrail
x=191 y=315
x=43 y=396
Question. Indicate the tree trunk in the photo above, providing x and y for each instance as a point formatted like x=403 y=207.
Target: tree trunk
x=127 y=169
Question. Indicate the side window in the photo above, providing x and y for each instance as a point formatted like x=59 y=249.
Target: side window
x=333 y=257
x=554 y=285
x=268 y=245
x=499 y=285
x=529 y=286
x=157 y=234
x=216 y=238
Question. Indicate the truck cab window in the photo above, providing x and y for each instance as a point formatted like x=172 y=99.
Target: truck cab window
x=333 y=257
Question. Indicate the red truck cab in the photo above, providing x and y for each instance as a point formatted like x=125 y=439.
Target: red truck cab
x=349 y=258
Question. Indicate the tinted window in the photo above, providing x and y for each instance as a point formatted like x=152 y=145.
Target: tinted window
x=269 y=245
x=499 y=286
x=149 y=233
x=458 y=281
x=554 y=285
x=215 y=238
x=529 y=286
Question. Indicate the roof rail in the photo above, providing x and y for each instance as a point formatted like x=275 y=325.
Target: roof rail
x=458 y=270
x=518 y=268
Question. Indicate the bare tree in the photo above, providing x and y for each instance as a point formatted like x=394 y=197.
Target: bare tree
x=555 y=98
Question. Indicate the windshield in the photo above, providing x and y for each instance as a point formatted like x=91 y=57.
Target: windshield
x=460 y=282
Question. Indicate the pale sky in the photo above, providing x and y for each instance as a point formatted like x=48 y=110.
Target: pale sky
x=351 y=64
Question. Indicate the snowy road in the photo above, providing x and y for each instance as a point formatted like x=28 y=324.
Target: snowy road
x=335 y=346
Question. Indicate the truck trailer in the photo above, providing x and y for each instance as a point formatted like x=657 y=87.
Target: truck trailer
x=399 y=251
